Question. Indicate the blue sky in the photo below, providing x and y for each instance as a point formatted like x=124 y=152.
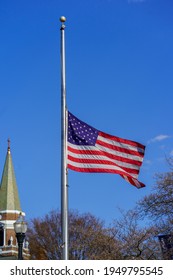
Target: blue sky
x=119 y=65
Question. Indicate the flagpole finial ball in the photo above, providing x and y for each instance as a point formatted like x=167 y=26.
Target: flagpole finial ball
x=62 y=19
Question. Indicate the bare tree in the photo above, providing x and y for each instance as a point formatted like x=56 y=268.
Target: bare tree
x=136 y=242
x=44 y=237
x=159 y=205
x=88 y=238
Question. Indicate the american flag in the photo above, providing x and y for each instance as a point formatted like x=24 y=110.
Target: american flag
x=91 y=150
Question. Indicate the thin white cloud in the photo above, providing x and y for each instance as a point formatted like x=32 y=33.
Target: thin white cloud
x=147 y=161
x=161 y=159
x=162 y=147
x=158 y=138
x=146 y=164
x=136 y=1
x=171 y=153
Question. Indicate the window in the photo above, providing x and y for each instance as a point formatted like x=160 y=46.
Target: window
x=1 y=234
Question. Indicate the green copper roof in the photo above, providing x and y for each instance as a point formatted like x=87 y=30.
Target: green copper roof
x=9 y=198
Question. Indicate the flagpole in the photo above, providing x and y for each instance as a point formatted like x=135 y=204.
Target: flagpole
x=64 y=184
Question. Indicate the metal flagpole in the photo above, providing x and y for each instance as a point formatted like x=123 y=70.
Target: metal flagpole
x=64 y=184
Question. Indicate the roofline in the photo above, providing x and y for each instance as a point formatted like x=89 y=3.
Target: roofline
x=11 y=212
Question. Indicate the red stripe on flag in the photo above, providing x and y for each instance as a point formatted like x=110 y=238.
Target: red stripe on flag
x=101 y=161
x=109 y=155
x=121 y=140
x=119 y=149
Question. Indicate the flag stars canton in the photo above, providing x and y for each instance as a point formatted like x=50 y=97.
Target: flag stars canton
x=80 y=133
